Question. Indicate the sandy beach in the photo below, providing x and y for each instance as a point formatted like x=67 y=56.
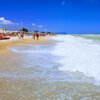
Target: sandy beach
x=10 y=63
x=4 y=44
x=5 y=53
x=29 y=71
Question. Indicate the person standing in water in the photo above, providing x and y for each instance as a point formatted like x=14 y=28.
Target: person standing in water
x=22 y=34
x=34 y=36
x=37 y=35
x=19 y=36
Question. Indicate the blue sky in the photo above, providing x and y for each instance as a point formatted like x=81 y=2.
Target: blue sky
x=71 y=16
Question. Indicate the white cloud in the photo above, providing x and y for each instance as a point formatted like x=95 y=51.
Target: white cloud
x=45 y=29
x=63 y=3
x=6 y=22
x=33 y=24
x=21 y=23
x=40 y=25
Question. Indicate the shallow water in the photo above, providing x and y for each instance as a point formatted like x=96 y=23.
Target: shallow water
x=79 y=54
x=34 y=72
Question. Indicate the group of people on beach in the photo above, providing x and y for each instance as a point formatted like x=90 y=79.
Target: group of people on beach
x=35 y=35
x=20 y=35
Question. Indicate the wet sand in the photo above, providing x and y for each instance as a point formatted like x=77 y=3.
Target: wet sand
x=5 y=44
x=8 y=59
x=13 y=89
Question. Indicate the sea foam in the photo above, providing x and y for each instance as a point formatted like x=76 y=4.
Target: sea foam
x=78 y=55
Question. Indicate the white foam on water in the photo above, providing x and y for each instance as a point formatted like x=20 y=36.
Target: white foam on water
x=29 y=49
x=36 y=55
x=78 y=54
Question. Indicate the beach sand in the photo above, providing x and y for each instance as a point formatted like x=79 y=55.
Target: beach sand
x=10 y=64
x=5 y=53
x=12 y=88
x=4 y=44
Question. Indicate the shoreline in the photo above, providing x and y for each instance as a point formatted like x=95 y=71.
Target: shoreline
x=21 y=78
x=4 y=44
x=6 y=53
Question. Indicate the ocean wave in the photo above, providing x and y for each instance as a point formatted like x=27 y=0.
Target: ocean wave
x=78 y=55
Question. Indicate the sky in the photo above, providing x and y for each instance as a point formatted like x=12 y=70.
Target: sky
x=70 y=16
